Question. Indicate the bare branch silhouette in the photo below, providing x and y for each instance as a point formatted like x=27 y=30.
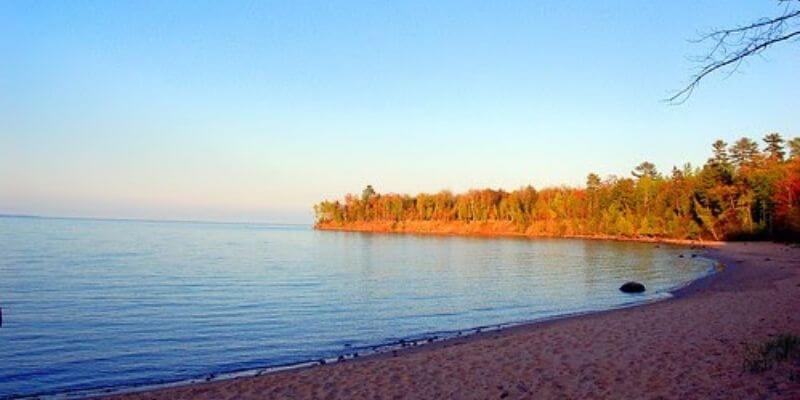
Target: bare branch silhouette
x=730 y=47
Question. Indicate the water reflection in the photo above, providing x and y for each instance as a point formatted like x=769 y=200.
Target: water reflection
x=106 y=303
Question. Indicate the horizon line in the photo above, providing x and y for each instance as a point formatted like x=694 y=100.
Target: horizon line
x=157 y=220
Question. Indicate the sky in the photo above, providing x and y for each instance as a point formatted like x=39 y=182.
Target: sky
x=254 y=111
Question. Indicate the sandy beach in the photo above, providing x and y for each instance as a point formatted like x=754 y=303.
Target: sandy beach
x=689 y=347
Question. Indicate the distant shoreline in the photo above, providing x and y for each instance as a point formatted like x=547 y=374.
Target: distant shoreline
x=150 y=220
x=488 y=229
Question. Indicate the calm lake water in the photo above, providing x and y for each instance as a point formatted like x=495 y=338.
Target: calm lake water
x=93 y=304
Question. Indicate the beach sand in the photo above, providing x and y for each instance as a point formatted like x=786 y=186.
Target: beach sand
x=688 y=347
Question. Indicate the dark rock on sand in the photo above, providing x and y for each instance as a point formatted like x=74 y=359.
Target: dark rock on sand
x=632 y=287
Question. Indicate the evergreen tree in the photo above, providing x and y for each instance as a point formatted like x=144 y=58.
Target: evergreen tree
x=794 y=148
x=744 y=152
x=677 y=174
x=367 y=193
x=592 y=181
x=774 y=148
x=645 y=169
x=720 y=152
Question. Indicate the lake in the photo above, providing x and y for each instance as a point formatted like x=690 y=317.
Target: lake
x=93 y=304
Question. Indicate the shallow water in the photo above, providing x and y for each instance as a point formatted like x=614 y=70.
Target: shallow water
x=93 y=304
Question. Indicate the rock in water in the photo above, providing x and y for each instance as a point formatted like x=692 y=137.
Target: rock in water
x=632 y=287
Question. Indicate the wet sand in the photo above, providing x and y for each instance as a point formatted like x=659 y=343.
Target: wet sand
x=688 y=347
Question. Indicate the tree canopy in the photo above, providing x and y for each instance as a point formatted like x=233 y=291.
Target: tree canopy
x=741 y=192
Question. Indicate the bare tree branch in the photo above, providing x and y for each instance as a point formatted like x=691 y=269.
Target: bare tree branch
x=732 y=46
x=761 y=23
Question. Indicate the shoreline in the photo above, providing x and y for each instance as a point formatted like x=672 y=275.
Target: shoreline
x=743 y=291
x=497 y=230
x=422 y=342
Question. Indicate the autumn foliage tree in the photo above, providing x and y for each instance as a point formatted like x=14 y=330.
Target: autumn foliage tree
x=740 y=192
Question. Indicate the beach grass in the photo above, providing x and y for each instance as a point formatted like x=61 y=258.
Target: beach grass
x=764 y=356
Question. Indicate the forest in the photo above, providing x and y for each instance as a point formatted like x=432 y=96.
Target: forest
x=743 y=191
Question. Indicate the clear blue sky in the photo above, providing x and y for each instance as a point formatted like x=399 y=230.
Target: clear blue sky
x=255 y=110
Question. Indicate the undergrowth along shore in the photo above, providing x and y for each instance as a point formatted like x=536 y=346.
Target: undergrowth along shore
x=489 y=229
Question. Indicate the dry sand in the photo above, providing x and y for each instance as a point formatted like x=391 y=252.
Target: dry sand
x=689 y=347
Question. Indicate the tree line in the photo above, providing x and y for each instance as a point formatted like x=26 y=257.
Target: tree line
x=742 y=191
